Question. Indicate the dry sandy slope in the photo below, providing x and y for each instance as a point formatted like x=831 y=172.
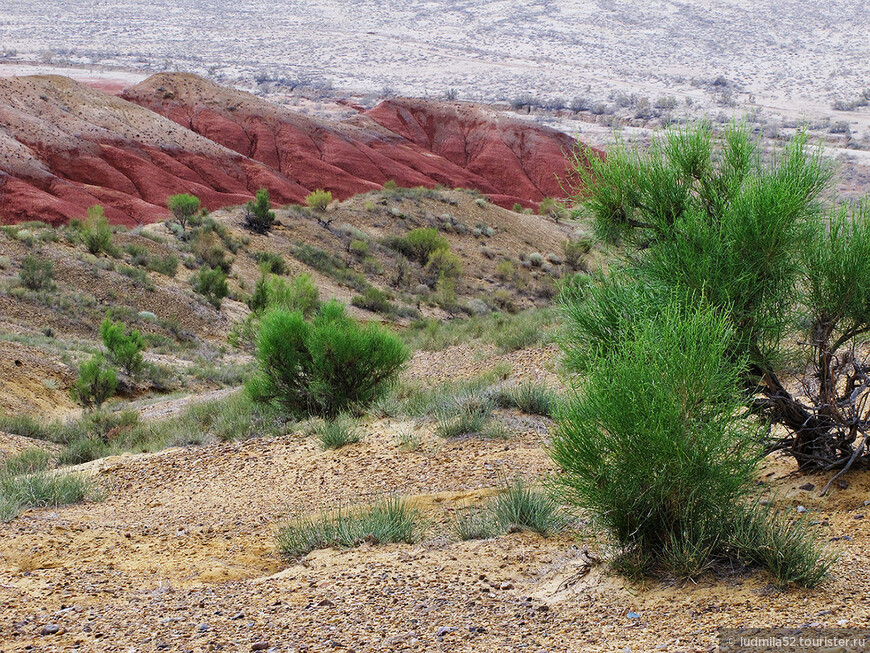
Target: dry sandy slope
x=179 y=556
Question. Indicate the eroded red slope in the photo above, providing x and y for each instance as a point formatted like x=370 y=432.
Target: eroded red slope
x=66 y=146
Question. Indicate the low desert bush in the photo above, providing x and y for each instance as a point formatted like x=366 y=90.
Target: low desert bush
x=41 y=489
x=338 y=432
x=384 y=522
x=474 y=524
x=318 y=200
x=211 y=283
x=271 y=263
x=419 y=244
x=530 y=398
x=520 y=507
x=325 y=366
x=96 y=382
x=36 y=273
x=375 y=300
x=96 y=232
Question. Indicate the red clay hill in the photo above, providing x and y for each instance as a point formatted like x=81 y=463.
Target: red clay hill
x=65 y=146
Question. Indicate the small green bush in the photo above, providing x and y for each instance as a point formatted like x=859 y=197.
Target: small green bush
x=323 y=367
x=337 y=433
x=40 y=490
x=387 y=521
x=420 y=243
x=520 y=507
x=531 y=398
x=208 y=247
x=575 y=252
x=375 y=300
x=165 y=265
x=84 y=450
x=139 y=255
x=211 y=283
x=96 y=382
x=444 y=263
x=297 y=294
x=183 y=207
x=318 y=200
x=474 y=524
x=36 y=273
x=259 y=216
x=125 y=349
x=358 y=248
x=96 y=232
x=271 y=262
x=26 y=462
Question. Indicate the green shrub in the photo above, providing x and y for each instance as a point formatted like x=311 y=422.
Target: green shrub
x=298 y=294
x=125 y=349
x=330 y=265
x=36 y=273
x=517 y=207
x=208 y=247
x=531 y=398
x=474 y=524
x=40 y=490
x=444 y=263
x=183 y=207
x=358 y=248
x=376 y=300
x=420 y=243
x=467 y=412
x=259 y=216
x=211 y=283
x=270 y=262
x=84 y=450
x=519 y=507
x=139 y=255
x=505 y=270
x=318 y=200
x=575 y=252
x=26 y=462
x=338 y=432
x=96 y=382
x=165 y=265
x=387 y=521
x=327 y=366
x=96 y=232
x=138 y=276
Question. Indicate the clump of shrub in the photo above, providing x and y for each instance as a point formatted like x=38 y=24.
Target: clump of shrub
x=36 y=273
x=326 y=366
x=96 y=232
x=208 y=247
x=529 y=397
x=165 y=265
x=384 y=522
x=96 y=382
x=124 y=348
x=211 y=283
x=297 y=294
x=271 y=262
x=259 y=216
x=420 y=243
x=318 y=200
x=575 y=252
x=520 y=507
x=184 y=208
x=375 y=300
x=40 y=489
x=338 y=432
x=443 y=263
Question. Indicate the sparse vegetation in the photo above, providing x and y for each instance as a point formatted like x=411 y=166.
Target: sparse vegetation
x=124 y=348
x=36 y=273
x=529 y=397
x=384 y=522
x=337 y=432
x=520 y=507
x=40 y=489
x=96 y=232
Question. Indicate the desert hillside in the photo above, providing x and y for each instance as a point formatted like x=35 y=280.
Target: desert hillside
x=68 y=146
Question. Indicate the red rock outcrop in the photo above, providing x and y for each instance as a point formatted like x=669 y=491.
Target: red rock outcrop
x=65 y=146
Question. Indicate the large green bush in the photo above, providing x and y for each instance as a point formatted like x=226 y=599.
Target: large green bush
x=680 y=348
x=96 y=232
x=259 y=216
x=36 y=273
x=325 y=366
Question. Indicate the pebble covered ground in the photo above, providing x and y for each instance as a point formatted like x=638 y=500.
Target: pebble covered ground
x=179 y=555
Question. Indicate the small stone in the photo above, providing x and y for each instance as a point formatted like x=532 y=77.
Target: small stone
x=50 y=629
x=237 y=616
x=203 y=628
x=506 y=586
x=633 y=615
x=842 y=622
x=801 y=509
x=859 y=516
x=809 y=487
x=259 y=646
x=477 y=629
x=444 y=630
x=843 y=484
x=325 y=603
